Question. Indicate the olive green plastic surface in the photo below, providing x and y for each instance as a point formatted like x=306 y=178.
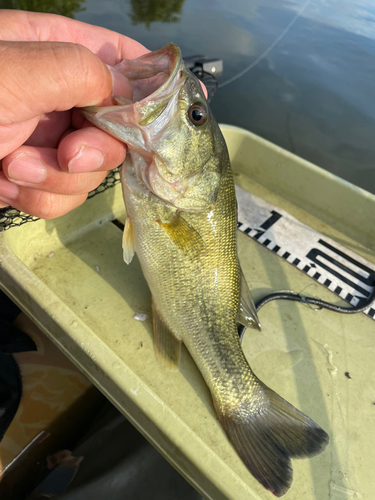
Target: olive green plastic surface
x=69 y=277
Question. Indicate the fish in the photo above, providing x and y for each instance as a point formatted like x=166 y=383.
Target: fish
x=181 y=221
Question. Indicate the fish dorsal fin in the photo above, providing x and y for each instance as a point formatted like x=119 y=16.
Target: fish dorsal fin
x=128 y=241
x=247 y=314
x=166 y=346
x=185 y=237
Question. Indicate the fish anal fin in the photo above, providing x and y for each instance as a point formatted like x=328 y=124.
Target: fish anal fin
x=267 y=438
x=128 y=241
x=185 y=237
x=247 y=314
x=166 y=346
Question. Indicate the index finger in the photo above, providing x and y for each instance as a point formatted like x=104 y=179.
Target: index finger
x=109 y=46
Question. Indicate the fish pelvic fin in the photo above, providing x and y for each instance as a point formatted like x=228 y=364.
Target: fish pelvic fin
x=247 y=314
x=267 y=439
x=166 y=346
x=128 y=241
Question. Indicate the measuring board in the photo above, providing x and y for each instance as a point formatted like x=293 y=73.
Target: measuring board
x=349 y=276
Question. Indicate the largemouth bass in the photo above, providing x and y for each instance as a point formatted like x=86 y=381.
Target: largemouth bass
x=182 y=222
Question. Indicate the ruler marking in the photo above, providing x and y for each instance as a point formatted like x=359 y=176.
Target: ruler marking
x=346 y=275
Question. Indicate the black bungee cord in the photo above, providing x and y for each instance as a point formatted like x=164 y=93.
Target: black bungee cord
x=310 y=301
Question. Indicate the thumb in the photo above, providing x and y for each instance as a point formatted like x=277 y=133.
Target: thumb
x=41 y=77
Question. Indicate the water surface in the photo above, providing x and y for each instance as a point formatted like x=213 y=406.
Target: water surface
x=312 y=88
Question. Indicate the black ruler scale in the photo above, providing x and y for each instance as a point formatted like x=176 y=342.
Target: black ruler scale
x=349 y=276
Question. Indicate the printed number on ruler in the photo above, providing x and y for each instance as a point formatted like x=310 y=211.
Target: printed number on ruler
x=343 y=272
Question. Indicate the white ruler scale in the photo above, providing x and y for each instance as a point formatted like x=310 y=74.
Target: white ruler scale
x=344 y=273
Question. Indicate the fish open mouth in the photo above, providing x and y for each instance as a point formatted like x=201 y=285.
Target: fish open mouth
x=152 y=73
x=154 y=77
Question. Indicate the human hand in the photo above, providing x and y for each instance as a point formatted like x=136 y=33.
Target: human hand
x=50 y=156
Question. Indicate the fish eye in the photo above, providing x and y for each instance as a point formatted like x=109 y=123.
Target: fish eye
x=197 y=114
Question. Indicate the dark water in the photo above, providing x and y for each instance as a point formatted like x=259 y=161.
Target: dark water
x=311 y=87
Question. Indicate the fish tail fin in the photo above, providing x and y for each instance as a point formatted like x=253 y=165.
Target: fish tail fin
x=266 y=439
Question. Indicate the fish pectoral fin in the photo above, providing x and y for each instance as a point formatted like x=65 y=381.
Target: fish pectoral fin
x=128 y=241
x=247 y=314
x=185 y=237
x=166 y=346
x=268 y=437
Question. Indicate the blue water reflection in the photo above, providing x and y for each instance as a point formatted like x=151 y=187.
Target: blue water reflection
x=312 y=93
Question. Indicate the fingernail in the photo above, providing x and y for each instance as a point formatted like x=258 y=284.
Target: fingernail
x=8 y=190
x=25 y=168
x=86 y=160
